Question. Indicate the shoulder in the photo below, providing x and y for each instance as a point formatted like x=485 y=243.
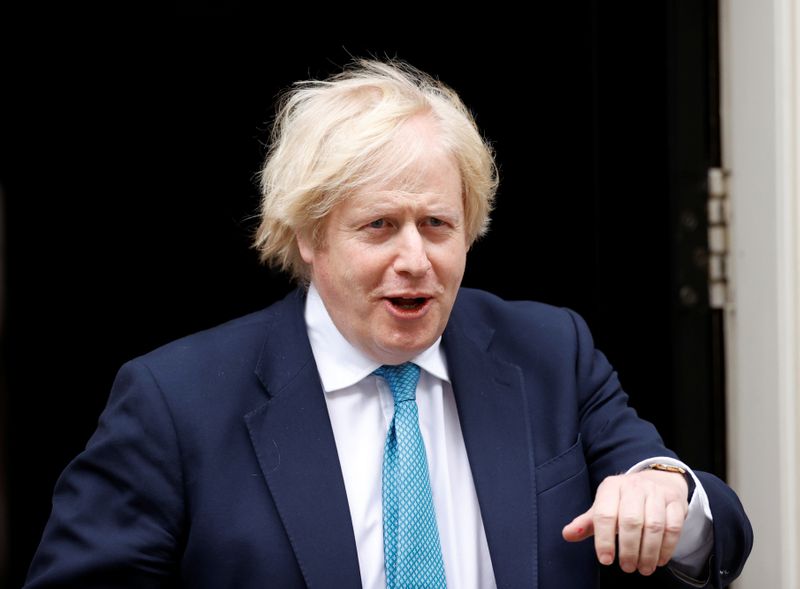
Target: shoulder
x=230 y=348
x=518 y=319
x=476 y=300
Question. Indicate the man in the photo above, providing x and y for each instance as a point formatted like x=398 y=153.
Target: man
x=382 y=427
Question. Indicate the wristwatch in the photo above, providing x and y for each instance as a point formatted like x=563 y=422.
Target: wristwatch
x=667 y=468
x=677 y=470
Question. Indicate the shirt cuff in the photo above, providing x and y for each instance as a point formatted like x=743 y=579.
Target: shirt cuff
x=690 y=558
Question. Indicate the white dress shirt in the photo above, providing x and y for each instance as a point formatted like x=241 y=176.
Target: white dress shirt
x=360 y=406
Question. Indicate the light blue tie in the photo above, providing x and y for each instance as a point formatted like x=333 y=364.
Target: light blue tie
x=411 y=548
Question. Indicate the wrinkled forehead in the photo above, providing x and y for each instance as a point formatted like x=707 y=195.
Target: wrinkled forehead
x=432 y=176
x=412 y=171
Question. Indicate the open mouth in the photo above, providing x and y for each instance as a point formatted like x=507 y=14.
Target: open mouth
x=408 y=304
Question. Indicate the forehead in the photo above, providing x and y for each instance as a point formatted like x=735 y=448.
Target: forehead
x=434 y=179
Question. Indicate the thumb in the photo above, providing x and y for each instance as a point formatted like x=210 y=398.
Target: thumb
x=580 y=528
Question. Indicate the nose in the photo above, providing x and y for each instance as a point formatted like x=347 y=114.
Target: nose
x=412 y=255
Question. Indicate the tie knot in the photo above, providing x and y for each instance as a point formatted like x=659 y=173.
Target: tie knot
x=402 y=380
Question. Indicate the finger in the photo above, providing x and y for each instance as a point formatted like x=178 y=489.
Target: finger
x=579 y=529
x=604 y=519
x=652 y=533
x=675 y=516
x=631 y=521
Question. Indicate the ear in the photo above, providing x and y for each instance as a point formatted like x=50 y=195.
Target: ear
x=306 y=247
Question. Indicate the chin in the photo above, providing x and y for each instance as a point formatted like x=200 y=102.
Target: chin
x=404 y=351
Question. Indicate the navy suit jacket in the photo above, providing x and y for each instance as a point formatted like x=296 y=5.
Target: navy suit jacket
x=214 y=464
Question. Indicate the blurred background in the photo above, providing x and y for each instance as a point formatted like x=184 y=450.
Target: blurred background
x=128 y=164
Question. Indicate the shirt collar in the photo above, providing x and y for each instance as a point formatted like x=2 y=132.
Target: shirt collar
x=341 y=364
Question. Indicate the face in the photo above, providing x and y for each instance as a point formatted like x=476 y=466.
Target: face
x=392 y=260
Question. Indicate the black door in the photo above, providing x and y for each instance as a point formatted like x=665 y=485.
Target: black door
x=130 y=187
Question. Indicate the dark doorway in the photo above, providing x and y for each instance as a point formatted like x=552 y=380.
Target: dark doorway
x=130 y=190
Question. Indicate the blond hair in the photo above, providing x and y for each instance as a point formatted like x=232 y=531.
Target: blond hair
x=334 y=136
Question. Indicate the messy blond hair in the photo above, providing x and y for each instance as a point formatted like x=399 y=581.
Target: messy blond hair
x=332 y=137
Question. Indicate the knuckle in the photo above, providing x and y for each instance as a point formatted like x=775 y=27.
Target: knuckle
x=674 y=528
x=655 y=527
x=631 y=522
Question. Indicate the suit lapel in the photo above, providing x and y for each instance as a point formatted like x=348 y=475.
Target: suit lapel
x=293 y=439
x=493 y=412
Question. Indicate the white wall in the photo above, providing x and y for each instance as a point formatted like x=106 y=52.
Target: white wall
x=761 y=149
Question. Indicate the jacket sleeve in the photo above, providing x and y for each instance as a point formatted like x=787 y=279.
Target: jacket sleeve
x=733 y=534
x=615 y=438
x=118 y=514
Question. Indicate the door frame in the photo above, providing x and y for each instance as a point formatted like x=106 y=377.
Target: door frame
x=760 y=42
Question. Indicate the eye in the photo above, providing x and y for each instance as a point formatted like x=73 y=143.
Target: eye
x=377 y=224
x=434 y=222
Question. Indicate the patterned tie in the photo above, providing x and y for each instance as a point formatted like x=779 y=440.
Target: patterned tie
x=411 y=546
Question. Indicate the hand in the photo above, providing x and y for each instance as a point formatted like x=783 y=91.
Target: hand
x=647 y=509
